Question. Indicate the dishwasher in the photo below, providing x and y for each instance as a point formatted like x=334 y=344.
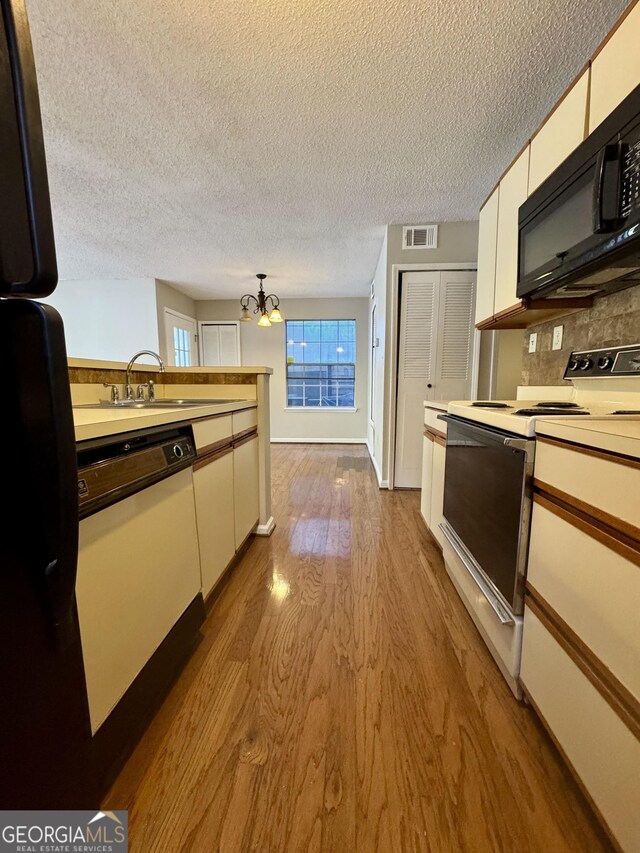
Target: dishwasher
x=138 y=581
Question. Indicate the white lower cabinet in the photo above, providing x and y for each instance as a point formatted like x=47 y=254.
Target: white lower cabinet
x=581 y=641
x=245 y=488
x=437 y=490
x=213 y=489
x=427 y=468
x=603 y=752
x=433 y=460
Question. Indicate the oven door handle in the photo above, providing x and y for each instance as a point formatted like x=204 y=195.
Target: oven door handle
x=518 y=444
x=501 y=612
x=488 y=434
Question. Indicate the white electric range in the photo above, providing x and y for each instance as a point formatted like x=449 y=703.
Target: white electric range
x=604 y=382
x=488 y=488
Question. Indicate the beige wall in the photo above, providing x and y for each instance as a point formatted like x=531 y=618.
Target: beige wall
x=508 y=363
x=267 y=347
x=457 y=241
x=168 y=297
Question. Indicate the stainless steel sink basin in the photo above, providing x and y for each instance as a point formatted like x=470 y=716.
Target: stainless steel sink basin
x=167 y=403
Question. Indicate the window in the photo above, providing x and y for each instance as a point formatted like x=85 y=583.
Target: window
x=321 y=370
x=181 y=347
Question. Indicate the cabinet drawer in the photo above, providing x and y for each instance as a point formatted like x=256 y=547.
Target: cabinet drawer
x=602 y=751
x=431 y=420
x=211 y=431
x=244 y=419
x=596 y=480
x=592 y=586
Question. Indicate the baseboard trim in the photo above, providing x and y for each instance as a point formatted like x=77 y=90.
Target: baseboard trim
x=318 y=440
x=267 y=528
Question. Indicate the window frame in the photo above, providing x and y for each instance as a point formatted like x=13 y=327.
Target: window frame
x=321 y=408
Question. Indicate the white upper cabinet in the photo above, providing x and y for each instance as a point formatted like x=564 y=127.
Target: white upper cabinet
x=615 y=70
x=562 y=132
x=487 y=244
x=513 y=192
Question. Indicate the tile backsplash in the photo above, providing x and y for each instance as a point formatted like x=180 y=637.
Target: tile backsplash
x=612 y=321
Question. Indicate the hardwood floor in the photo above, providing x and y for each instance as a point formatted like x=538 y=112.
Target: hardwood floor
x=342 y=700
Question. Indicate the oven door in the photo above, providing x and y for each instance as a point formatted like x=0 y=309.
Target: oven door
x=487 y=506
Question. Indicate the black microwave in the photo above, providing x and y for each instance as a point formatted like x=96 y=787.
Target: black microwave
x=579 y=232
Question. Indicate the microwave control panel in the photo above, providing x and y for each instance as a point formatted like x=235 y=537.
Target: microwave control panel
x=612 y=361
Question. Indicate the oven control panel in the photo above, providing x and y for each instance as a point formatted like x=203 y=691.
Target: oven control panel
x=610 y=361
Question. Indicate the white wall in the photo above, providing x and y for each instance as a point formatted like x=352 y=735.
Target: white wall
x=168 y=297
x=108 y=319
x=267 y=347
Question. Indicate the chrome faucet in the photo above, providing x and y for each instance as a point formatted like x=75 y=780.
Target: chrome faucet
x=128 y=389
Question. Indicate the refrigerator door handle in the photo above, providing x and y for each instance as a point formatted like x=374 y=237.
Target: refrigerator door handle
x=44 y=469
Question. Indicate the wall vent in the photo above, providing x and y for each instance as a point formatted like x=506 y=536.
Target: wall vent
x=420 y=237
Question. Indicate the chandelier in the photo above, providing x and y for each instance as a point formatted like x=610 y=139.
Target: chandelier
x=262 y=300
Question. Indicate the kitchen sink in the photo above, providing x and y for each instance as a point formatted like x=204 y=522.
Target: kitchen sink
x=167 y=403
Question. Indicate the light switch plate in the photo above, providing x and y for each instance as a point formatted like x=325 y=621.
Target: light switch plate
x=557 y=337
x=533 y=341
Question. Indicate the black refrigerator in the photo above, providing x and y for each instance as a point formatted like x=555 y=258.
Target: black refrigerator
x=45 y=759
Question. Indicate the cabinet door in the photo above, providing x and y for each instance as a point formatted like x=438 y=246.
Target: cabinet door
x=427 y=474
x=615 y=70
x=562 y=132
x=437 y=491
x=245 y=488
x=513 y=192
x=487 y=245
x=213 y=488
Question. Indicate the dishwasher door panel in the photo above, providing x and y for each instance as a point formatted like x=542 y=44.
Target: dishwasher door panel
x=138 y=570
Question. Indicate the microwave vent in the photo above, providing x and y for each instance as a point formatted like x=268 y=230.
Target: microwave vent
x=420 y=237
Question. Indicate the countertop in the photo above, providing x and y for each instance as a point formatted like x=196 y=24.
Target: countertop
x=142 y=365
x=96 y=423
x=616 y=433
x=440 y=405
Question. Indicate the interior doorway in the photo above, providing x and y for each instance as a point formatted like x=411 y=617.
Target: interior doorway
x=435 y=356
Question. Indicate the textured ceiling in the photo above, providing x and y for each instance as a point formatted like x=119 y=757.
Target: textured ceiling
x=202 y=141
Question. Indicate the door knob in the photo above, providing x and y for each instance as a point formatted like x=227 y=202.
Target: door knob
x=429 y=385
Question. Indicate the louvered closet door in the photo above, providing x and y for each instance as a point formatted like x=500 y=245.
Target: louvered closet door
x=454 y=356
x=436 y=349
x=416 y=370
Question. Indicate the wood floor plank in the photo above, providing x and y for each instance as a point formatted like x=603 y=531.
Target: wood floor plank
x=342 y=700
